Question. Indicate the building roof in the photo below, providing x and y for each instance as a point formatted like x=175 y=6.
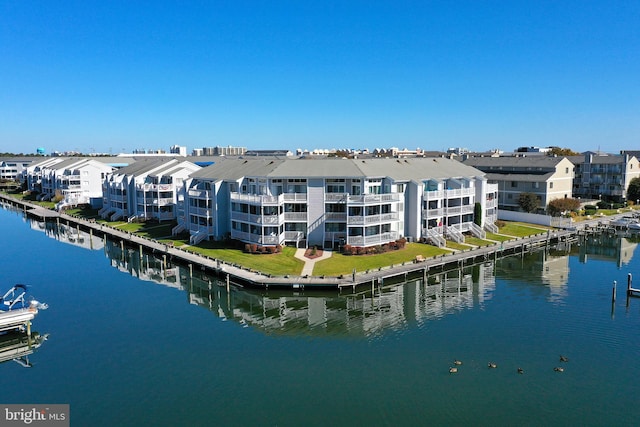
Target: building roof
x=519 y=162
x=145 y=165
x=519 y=177
x=415 y=169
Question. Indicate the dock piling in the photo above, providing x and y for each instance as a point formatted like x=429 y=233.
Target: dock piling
x=613 y=294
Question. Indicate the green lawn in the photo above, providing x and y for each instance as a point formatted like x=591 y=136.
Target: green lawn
x=457 y=246
x=344 y=264
x=275 y=264
x=498 y=237
x=518 y=229
x=477 y=242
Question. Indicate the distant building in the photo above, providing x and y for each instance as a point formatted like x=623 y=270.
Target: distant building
x=547 y=177
x=285 y=153
x=604 y=176
x=179 y=150
x=533 y=150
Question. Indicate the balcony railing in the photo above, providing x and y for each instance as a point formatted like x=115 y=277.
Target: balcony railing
x=199 y=194
x=295 y=216
x=155 y=187
x=204 y=212
x=294 y=197
x=373 y=199
x=255 y=219
x=336 y=216
x=257 y=238
x=377 y=239
x=256 y=199
x=430 y=213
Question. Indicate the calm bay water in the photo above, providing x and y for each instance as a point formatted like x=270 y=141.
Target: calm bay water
x=133 y=344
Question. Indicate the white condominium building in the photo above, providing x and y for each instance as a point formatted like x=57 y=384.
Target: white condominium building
x=334 y=202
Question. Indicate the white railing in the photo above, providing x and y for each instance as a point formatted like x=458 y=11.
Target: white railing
x=433 y=195
x=335 y=197
x=492 y=228
x=257 y=238
x=199 y=211
x=199 y=194
x=374 y=198
x=177 y=229
x=454 y=234
x=294 y=197
x=256 y=199
x=477 y=231
x=293 y=236
x=295 y=216
x=430 y=213
x=434 y=236
x=378 y=239
x=335 y=216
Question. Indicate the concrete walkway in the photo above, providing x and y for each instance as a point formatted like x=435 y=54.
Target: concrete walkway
x=310 y=263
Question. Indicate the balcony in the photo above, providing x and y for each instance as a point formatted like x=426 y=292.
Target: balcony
x=197 y=228
x=199 y=194
x=295 y=216
x=204 y=212
x=256 y=199
x=378 y=239
x=335 y=216
x=432 y=213
x=372 y=219
x=256 y=219
x=294 y=197
x=155 y=187
x=257 y=238
x=459 y=210
x=371 y=199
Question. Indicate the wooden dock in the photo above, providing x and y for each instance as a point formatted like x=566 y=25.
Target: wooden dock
x=244 y=276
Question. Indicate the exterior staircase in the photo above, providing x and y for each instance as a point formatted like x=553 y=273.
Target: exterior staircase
x=454 y=234
x=477 y=231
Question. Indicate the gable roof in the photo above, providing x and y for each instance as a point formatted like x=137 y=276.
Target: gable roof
x=399 y=169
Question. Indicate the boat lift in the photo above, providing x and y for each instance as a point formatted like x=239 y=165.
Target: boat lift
x=15 y=312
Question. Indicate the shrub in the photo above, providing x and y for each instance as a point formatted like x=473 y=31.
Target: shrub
x=347 y=249
x=247 y=248
x=254 y=248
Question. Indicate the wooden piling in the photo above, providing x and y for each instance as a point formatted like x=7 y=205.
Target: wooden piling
x=613 y=294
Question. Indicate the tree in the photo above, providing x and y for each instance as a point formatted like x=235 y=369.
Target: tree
x=633 y=191
x=557 y=151
x=528 y=202
x=557 y=206
x=477 y=214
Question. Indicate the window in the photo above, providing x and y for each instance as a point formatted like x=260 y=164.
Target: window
x=551 y=185
x=514 y=184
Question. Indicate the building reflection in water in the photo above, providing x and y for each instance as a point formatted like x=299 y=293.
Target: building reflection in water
x=67 y=234
x=607 y=247
x=369 y=311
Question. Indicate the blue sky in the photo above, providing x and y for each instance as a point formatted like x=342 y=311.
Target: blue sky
x=113 y=76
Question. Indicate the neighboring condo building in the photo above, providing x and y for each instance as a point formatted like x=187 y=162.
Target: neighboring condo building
x=70 y=181
x=146 y=189
x=12 y=168
x=604 y=177
x=334 y=202
x=547 y=177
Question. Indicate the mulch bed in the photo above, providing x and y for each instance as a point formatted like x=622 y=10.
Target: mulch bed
x=308 y=253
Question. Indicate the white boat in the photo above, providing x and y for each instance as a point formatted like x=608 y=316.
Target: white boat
x=15 y=312
x=623 y=222
x=635 y=226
